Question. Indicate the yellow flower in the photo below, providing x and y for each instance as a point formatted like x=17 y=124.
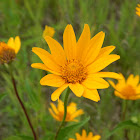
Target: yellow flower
x=49 y=31
x=8 y=51
x=85 y=137
x=77 y=65
x=129 y=89
x=58 y=112
x=138 y=10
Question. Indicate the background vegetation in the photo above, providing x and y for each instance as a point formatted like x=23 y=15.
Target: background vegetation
x=27 y=18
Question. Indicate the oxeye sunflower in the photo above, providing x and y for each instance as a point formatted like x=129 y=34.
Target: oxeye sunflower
x=58 y=112
x=8 y=51
x=84 y=136
x=127 y=89
x=138 y=10
x=76 y=66
x=48 y=31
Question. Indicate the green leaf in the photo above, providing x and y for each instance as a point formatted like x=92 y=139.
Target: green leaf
x=69 y=129
x=25 y=137
x=19 y=137
x=49 y=136
x=122 y=125
x=13 y=138
x=2 y=96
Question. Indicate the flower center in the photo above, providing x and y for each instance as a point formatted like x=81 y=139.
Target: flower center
x=128 y=91
x=73 y=72
x=7 y=54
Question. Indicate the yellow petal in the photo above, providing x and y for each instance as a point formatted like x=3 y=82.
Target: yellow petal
x=11 y=43
x=105 y=51
x=77 y=113
x=17 y=44
x=54 y=108
x=91 y=94
x=112 y=84
x=90 y=135
x=95 y=83
x=122 y=80
x=56 y=50
x=52 y=80
x=130 y=79
x=78 y=137
x=133 y=80
x=60 y=106
x=102 y=62
x=136 y=80
x=55 y=95
x=71 y=139
x=84 y=134
x=118 y=94
x=77 y=89
x=47 y=59
x=138 y=13
x=71 y=108
x=69 y=41
x=49 y=31
x=40 y=66
x=138 y=89
x=93 y=49
x=54 y=116
x=138 y=9
x=107 y=74
x=83 y=41
x=96 y=137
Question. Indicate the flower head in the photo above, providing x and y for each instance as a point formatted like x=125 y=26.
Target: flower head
x=138 y=10
x=127 y=89
x=49 y=31
x=58 y=112
x=8 y=51
x=77 y=65
x=84 y=136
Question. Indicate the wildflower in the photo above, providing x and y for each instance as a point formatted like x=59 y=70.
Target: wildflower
x=8 y=51
x=129 y=89
x=78 y=65
x=85 y=137
x=49 y=31
x=138 y=10
x=58 y=112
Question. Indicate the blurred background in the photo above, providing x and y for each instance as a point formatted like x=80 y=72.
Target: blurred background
x=27 y=18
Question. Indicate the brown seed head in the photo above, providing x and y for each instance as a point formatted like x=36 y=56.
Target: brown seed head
x=7 y=54
x=73 y=72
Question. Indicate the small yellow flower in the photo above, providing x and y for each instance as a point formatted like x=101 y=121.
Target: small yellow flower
x=8 y=51
x=129 y=89
x=138 y=10
x=49 y=31
x=85 y=137
x=58 y=112
x=77 y=65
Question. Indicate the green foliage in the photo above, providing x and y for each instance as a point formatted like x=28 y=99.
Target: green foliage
x=27 y=18
x=125 y=124
x=65 y=133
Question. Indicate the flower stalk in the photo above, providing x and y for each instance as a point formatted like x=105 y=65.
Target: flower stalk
x=124 y=111
x=21 y=103
x=23 y=108
x=65 y=113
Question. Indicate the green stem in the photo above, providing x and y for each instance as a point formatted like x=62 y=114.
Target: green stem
x=65 y=113
x=20 y=101
x=124 y=109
